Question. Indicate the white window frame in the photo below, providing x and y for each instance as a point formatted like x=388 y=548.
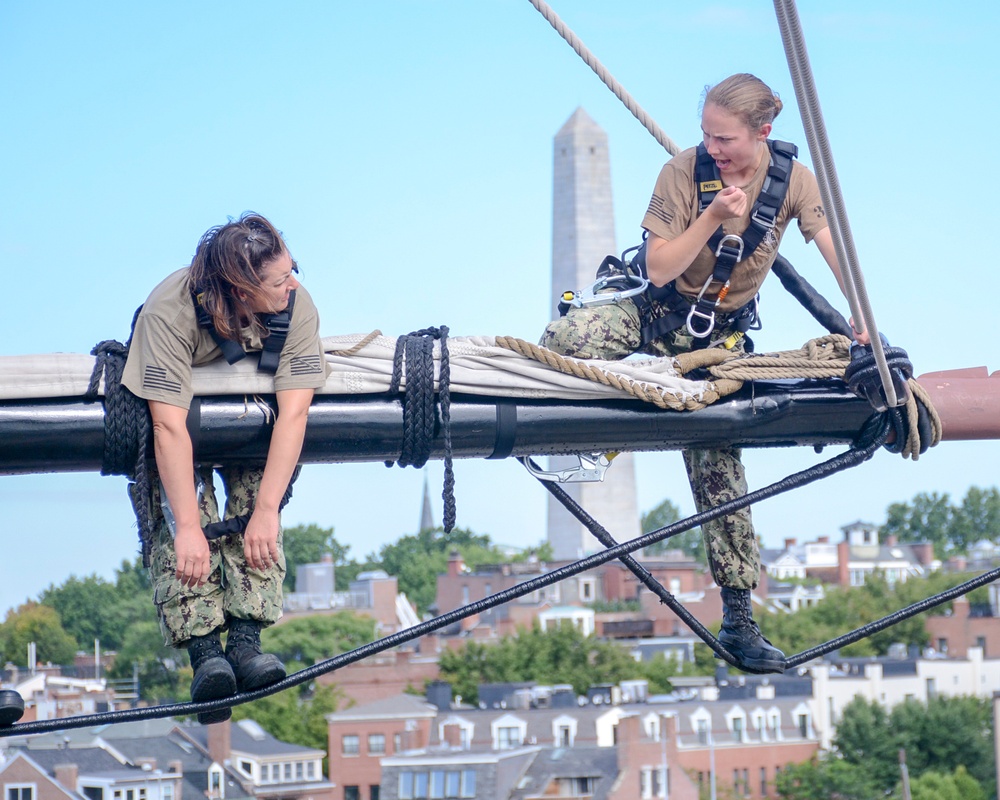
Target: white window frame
x=560 y=722
x=31 y=787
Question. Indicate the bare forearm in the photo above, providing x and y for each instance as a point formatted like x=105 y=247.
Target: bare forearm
x=667 y=259
x=282 y=457
x=175 y=465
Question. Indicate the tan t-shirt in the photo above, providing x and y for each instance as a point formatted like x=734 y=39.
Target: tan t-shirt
x=167 y=343
x=674 y=206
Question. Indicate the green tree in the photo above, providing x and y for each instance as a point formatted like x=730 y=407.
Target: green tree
x=845 y=609
x=950 y=528
x=825 y=779
x=941 y=786
x=309 y=640
x=926 y=519
x=86 y=608
x=968 y=721
x=559 y=656
x=157 y=666
x=978 y=517
x=33 y=622
x=689 y=542
x=865 y=739
x=942 y=736
x=418 y=559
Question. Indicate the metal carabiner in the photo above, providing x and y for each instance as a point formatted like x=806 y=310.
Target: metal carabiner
x=710 y=317
x=591 y=468
x=628 y=285
x=694 y=313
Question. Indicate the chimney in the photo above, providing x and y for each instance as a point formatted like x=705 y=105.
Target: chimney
x=790 y=543
x=177 y=768
x=822 y=540
x=843 y=560
x=456 y=566
x=219 y=742
x=67 y=775
x=923 y=552
x=453 y=735
x=891 y=540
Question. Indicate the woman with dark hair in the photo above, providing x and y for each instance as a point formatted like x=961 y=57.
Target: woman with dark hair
x=713 y=227
x=239 y=295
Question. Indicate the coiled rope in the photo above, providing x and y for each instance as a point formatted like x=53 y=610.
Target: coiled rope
x=414 y=357
x=127 y=427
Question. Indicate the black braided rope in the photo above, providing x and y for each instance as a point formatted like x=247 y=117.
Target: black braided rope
x=126 y=430
x=415 y=352
x=869 y=440
x=868 y=443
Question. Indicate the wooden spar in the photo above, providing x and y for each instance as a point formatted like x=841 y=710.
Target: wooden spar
x=67 y=435
x=967 y=400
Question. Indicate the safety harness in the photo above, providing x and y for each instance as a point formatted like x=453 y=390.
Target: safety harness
x=277 y=326
x=628 y=275
x=730 y=249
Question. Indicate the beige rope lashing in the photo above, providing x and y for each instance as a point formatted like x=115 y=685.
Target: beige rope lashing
x=823 y=357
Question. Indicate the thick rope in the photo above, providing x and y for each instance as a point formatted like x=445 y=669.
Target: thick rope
x=127 y=428
x=416 y=353
x=824 y=357
x=649 y=394
x=619 y=91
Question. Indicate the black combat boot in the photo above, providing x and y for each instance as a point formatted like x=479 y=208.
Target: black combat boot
x=253 y=668
x=213 y=676
x=742 y=638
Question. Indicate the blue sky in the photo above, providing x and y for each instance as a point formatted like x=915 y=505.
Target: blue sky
x=405 y=150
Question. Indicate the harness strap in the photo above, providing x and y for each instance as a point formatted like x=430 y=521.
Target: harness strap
x=729 y=249
x=277 y=326
x=231 y=350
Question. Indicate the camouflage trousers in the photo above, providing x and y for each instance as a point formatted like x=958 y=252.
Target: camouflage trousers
x=612 y=332
x=233 y=588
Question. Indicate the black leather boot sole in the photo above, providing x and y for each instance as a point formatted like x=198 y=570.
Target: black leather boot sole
x=258 y=672
x=213 y=681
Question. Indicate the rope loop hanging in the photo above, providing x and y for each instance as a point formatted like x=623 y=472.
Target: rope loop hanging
x=414 y=356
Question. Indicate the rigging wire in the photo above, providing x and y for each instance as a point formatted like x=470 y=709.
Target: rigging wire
x=620 y=92
x=869 y=442
x=829 y=184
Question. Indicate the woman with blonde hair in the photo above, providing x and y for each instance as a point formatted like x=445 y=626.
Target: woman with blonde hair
x=713 y=226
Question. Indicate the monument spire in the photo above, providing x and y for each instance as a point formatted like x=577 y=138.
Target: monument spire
x=583 y=233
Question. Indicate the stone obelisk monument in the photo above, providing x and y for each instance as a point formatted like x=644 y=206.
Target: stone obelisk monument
x=583 y=233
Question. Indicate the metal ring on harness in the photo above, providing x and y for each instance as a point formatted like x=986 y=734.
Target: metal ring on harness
x=738 y=240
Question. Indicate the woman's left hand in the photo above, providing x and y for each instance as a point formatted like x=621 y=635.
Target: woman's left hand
x=260 y=540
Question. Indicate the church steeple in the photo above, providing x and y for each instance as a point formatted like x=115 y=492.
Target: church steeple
x=426 y=517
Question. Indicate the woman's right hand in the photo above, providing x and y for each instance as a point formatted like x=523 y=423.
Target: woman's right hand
x=193 y=555
x=730 y=203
